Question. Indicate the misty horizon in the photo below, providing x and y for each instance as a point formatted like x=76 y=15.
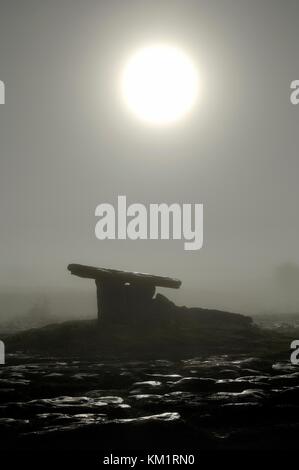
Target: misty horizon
x=68 y=144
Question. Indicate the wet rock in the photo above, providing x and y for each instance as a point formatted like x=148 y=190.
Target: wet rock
x=251 y=372
x=255 y=363
x=218 y=400
x=230 y=385
x=229 y=373
x=286 y=380
x=283 y=367
x=147 y=401
x=146 y=386
x=164 y=417
x=244 y=413
x=13 y=423
x=66 y=423
x=168 y=377
x=67 y=405
x=194 y=384
x=254 y=395
x=107 y=399
x=11 y=382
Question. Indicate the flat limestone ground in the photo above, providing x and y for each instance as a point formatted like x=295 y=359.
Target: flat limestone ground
x=212 y=382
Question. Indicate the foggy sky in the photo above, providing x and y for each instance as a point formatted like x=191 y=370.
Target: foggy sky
x=68 y=144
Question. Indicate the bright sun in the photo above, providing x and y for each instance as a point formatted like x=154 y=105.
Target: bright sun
x=160 y=84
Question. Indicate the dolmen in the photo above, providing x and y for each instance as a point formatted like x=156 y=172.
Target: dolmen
x=121 y=294
x=128 y=298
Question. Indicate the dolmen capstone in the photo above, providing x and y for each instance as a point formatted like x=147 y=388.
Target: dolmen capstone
x=120 y=294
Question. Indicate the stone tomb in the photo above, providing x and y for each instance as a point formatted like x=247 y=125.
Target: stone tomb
x=122 y=294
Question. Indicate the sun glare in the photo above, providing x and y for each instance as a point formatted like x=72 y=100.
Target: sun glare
x=160 y=84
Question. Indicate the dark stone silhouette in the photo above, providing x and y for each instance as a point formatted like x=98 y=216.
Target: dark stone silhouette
x=121 y=293
x=128 y=298
x=134 y=322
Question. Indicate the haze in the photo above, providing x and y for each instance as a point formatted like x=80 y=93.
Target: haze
x=68 y=144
